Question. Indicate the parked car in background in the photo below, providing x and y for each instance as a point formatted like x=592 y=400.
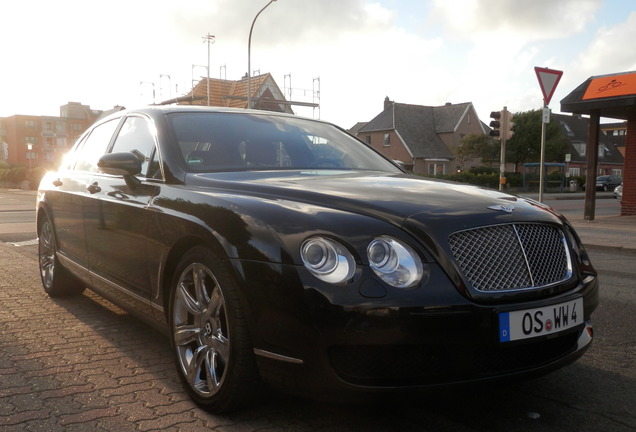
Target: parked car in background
x=608 y=182
x=618 y=192
x=280 y=250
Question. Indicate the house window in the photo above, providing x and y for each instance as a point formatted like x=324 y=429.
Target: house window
x=574 y=172
x=580 y=148
x=367 y=139
x=30 y=140
x=387 y=140
x=29 y=124
x=435 y=169
x=617 y=172
x=568 y=131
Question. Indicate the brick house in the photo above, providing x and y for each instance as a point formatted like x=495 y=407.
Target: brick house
x=610 y=150
x=34 y=141
x=423 y=138
x=266 y=95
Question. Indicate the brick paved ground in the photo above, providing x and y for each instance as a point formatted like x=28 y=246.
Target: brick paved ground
x=83 y=364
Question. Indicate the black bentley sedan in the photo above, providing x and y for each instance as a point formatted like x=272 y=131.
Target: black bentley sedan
x=282 y=251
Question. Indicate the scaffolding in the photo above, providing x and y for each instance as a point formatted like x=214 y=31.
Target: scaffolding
x=307 y=97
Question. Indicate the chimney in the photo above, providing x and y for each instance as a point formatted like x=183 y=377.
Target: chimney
x=387 y=103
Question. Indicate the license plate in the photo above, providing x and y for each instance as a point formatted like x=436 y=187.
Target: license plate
x=529 y=323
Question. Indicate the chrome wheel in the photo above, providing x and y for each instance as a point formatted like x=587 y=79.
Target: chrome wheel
x=56 y=280
x=46 y=247
x=201 y=330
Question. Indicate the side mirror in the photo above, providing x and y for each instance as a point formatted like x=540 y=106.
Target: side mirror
x=123 y=164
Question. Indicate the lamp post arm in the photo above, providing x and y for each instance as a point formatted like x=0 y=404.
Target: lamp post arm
x=249 y=56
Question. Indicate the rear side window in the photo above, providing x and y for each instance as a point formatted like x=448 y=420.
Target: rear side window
x=94 y=146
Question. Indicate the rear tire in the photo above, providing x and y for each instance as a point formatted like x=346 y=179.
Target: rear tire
x=209 y=334
x=56 y=280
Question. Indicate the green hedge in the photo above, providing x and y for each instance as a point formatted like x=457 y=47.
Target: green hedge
x=484 y=177
x=13 y=176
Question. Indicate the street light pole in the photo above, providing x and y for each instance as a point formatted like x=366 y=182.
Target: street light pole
x=249 y=57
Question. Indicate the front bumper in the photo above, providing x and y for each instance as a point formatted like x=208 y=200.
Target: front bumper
x=330 y=340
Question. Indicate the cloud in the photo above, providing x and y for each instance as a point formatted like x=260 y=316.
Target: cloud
x=531 y=20
x=611 y=50
x=420 y=52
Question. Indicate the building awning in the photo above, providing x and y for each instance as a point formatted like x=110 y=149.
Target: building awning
x=611 y=95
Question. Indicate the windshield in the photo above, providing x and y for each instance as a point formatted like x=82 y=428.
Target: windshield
x=239 y=141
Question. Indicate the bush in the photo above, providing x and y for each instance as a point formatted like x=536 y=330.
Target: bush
x=483 y=170
x=484 y=177
x=34 y=177
x=16 y=174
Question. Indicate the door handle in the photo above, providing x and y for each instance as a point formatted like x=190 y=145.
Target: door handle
x=57 y=183
x=93 y=188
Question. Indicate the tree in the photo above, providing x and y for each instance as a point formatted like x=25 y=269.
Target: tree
x=476 y=146
x=525 y=145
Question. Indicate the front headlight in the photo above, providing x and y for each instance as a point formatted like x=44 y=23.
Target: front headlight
x=395 y=262
x=328 y=260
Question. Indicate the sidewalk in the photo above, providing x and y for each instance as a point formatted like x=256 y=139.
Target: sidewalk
x=617 y=233
x=17 y=200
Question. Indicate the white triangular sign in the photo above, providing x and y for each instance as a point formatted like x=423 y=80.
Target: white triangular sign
x=548 y=80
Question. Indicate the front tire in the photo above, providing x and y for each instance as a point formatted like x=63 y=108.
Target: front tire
x=209 y=335
x=56 y=280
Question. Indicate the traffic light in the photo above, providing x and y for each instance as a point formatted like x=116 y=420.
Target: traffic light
x=501 y=124
x=496 y=123
x=508 y=125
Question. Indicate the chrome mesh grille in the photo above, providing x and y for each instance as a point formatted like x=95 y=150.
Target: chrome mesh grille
x=512 y=256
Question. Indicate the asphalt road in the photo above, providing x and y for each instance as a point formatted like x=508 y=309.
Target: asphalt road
x=84 y=364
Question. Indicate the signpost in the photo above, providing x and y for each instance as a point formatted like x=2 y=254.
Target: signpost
x=548 y=80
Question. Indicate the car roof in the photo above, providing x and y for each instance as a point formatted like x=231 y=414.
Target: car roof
x=154 y=110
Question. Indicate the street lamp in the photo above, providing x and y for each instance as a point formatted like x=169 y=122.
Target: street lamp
x=29 y=153
x=249 y=57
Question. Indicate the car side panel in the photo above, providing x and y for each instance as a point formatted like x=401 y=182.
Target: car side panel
x=116 y=223
x=63 y=197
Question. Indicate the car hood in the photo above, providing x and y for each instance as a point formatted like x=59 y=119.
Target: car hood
x=399 y=198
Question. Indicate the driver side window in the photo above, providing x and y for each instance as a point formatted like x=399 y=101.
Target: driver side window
x=137 y=136
x=94 y=146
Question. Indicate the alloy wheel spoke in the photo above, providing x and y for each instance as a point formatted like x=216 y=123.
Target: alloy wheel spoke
x=198 y=273
x=221 y=345
x=196 y=363
x=189 y=302
x=185 y=334
x=211 y=376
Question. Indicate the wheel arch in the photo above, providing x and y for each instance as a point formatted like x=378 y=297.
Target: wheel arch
x=177 y=250
x=44 y=212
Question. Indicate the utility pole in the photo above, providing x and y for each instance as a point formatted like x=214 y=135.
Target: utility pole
x=210 y=40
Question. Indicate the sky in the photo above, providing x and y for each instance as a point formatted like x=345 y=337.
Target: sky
x=355 y=52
